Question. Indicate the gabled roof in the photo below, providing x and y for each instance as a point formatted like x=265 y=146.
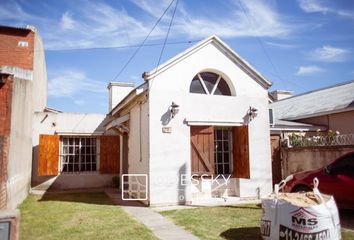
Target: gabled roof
x=224 y=48
x=333 y=99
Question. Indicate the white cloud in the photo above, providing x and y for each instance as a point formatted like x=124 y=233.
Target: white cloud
x=328 y=53
x=152 y=7
x=317 y=6
x=67 y=23
x=281 y=45
x=308 y=70
x=311 y=6
x=97 y=24
x=89 y=24
x=70 y=82
x=244 y=19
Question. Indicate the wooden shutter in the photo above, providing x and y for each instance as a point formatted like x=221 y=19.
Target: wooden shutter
x=109 y=154
x=202 y=150
x=48 y=155
x=241 y=163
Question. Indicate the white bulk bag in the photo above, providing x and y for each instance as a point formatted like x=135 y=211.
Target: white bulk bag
x=283 y=220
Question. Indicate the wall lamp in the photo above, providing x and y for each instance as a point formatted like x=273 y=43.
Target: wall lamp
x=174 y=108
x=252 y=112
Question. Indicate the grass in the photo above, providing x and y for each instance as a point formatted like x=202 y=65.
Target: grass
x=77 y=216
x=231 y=222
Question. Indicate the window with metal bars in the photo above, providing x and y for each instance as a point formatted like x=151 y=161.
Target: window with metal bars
x=78 y=154
x=223 y=150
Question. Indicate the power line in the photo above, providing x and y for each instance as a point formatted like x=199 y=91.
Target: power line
x=124 y=46
x=276 y=73
x=137 y=50
x=164 y=44
x=103 y=48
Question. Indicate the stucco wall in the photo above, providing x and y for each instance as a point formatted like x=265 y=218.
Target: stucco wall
x=68 y=124
x=341 y=122
x=137 y=143
x=20 y=152
x=303 y=159
x=39 y=75
x=170 y=152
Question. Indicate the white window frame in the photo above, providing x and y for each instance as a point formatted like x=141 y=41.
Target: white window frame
x=201 y=80
x=230 y=151
x=79 y=155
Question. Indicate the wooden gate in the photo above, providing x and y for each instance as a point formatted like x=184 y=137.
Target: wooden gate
x=276 y=164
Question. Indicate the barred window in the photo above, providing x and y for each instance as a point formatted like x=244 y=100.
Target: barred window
x=78 y=154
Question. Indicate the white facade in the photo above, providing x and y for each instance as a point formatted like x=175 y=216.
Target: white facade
x=166 y=157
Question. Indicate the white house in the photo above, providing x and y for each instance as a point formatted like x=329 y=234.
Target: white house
x=201 y=114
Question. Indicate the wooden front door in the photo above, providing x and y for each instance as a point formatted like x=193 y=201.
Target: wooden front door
x=276 y=164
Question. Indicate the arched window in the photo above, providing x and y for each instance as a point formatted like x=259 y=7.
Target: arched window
x=209 y=83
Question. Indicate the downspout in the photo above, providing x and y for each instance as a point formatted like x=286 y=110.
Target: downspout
x=140 y=133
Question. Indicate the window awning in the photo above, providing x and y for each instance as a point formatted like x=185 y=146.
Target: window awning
x=213 y=123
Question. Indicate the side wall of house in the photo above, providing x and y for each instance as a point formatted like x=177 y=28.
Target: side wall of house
x=138 y=139
x=341 y=122
x=19 y=167
x=39 y=75
x=70 y=124
x=15 y=114
x=138 y=142
x=170 y=153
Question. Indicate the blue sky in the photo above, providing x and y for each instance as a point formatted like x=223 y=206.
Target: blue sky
x=298 y=45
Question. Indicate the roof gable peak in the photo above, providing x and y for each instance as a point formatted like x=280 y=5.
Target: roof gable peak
x=224 y=48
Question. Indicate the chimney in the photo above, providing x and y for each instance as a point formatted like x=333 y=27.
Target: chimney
x=117 y=92
x=281 y=94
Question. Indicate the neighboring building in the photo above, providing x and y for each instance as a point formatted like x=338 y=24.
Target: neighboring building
x=330 y=108
x=23 y=90
x=73 y=150
x=205 y=111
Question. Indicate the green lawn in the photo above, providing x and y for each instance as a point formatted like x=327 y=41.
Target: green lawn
x=77 y=216
x=231 y=222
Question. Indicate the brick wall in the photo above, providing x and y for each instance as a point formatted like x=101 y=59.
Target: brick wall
x=5 y=124
x=11 y=53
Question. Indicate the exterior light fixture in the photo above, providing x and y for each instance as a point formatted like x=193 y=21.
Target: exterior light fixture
x=252 y=112
x=174 y=108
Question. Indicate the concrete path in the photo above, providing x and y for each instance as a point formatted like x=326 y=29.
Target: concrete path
x=162 y=227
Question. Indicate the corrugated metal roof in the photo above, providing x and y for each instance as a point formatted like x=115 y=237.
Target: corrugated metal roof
x=337 y=98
